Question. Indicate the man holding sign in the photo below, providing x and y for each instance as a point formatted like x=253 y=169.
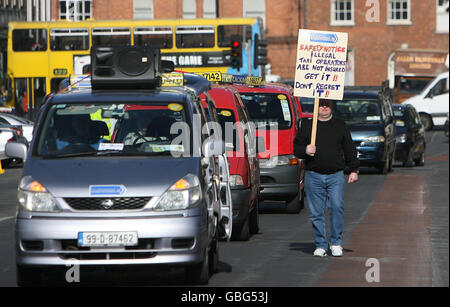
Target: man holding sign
x=324 y=142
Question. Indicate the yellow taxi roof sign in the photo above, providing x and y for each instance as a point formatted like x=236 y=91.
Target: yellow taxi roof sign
x=211 y=76
x=172 y=79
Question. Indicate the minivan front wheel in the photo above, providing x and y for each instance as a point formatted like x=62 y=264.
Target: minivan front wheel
x=296 y=204
x=198 y=274
x=383 y=167
x=421 y=160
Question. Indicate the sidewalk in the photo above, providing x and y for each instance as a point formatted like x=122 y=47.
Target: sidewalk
x=395 y=234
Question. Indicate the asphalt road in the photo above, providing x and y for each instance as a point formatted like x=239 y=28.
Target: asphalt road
x=280 y=255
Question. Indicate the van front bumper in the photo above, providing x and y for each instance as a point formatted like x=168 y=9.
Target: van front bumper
x=280 y=182
x=161 y=240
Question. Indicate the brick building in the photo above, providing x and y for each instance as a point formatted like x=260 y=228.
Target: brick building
x=376 y=28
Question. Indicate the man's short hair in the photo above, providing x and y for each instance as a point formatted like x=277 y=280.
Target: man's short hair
x=326 y=102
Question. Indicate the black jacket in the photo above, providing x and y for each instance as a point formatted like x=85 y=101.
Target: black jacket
x=334 y=146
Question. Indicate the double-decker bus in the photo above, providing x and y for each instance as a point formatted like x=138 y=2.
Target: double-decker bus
x=41 y=54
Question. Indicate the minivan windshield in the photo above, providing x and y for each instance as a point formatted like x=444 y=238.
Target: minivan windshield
x=268 y=109
x=358 y=110
x=102 y=129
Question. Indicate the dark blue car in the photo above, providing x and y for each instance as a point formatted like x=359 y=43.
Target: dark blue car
x=411 y=142
x=369 y=115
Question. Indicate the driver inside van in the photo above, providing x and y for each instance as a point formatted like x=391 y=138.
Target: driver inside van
x=81 y=131
x=139 y=134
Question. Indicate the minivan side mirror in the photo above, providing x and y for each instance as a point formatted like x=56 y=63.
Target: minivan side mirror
x=213 y=147
x=16 y=150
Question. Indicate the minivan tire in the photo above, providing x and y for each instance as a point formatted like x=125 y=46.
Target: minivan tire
x=198 y=274
x=296 y=204
x=214 y=253
x=421 y=160
x=242 y=233
x=383 y=167
x=254 y=218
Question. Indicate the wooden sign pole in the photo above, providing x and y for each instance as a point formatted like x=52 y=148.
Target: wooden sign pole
x=314 y=123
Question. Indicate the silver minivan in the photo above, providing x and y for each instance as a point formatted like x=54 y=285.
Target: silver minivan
x=122 y=177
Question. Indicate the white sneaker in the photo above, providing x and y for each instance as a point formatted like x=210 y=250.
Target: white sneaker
x=320 y=252
x=336 y=250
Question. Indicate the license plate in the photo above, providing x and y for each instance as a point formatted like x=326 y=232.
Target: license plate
x=107 y=239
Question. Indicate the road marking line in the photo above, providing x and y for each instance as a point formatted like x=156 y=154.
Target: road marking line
x=2 y=219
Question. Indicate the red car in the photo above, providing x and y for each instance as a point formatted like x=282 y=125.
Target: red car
x=225 y=104
x=277 y=114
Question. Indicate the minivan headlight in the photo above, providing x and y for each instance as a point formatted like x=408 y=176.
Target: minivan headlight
x=236 y=181
x=34 y=197
x=184 y=194
x=402 y=138
x=277 y=161
x=372 y=140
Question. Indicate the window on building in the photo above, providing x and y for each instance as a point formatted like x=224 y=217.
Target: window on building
x=189 y=9
x=442 y=16
x=209 y=8
x=75 y=10
x=342 y=13
x=399 y=12
x=143 y=9
x=255 y=8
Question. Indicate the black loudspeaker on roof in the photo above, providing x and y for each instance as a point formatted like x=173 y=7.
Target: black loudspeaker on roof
x=117 y=67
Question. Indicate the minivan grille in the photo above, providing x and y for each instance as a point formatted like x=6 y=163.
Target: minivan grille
x=118 y=203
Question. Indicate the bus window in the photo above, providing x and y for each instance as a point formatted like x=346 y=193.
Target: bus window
x=226 y=32
x=195 y=37
x=69 y=39
x=29 y=40
x=54 y=84
x=160 y=37
x=20 y=96
x=111 y=36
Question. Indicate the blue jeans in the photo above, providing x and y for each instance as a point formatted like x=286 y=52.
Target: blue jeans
x=326 y=191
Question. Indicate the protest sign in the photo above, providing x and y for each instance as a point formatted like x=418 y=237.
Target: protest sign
x=320 y=68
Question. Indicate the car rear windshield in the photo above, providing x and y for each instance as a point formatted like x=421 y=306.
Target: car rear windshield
x=268 y=109
x=358 y=110
x=112 y=129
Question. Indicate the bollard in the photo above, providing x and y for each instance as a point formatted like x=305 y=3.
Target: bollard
x=2 y=171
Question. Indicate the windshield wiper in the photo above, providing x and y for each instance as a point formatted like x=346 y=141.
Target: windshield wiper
x=105 y=153
x=129 y=153
x=70 y=155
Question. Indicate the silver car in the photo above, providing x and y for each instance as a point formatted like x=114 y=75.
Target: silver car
x=107 y=182
x=27 y=125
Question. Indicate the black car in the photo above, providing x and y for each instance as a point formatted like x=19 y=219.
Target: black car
x=411 y=142
x=370 y=118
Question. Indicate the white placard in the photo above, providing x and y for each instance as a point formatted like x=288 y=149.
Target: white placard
x=320 y=68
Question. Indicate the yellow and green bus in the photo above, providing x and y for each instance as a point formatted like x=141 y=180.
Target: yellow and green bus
x=41 y=54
